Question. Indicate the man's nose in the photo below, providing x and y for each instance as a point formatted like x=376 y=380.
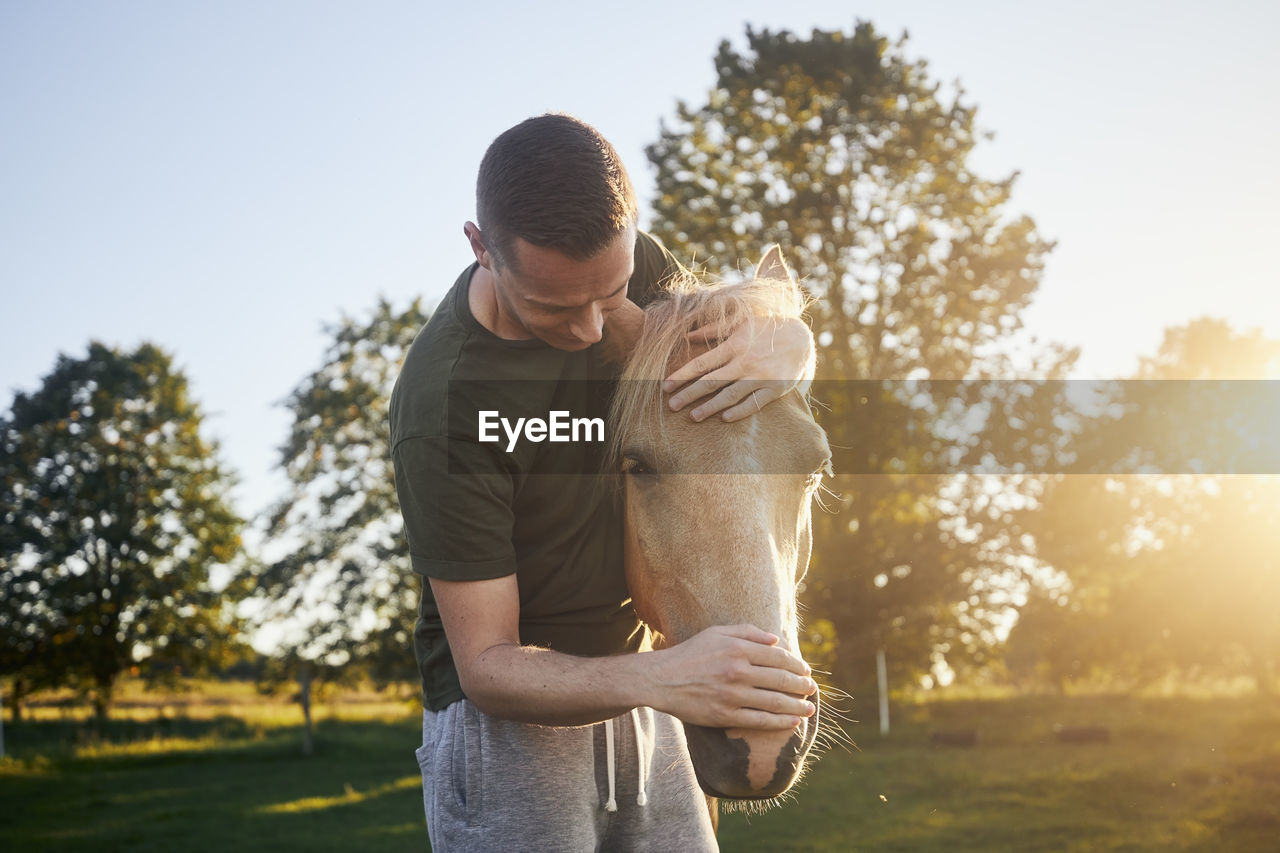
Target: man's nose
x=589 y=326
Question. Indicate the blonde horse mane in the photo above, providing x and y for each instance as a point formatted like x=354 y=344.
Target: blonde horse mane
x=686 y=304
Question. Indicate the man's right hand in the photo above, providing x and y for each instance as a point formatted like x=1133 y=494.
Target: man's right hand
x=731 y=677
x=725 y=677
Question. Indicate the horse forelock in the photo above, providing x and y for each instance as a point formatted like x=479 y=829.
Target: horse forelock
x=664 y=345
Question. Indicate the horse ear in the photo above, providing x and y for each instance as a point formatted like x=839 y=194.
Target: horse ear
x=772 y=266
x=622 y=330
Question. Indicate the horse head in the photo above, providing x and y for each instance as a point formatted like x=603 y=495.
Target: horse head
x=718 y=514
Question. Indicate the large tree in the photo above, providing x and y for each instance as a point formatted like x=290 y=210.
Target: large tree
x=841 y=149
x=340 y=574
x=1168 y=572
x=115 y=513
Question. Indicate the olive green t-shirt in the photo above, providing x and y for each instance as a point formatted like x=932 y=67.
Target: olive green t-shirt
x=476 y=510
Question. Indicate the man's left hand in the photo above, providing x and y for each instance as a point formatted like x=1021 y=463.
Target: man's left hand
x=760 y=361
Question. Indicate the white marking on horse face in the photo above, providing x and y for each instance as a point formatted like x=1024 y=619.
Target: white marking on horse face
x=749 y=463
x=716 y=550
x=763 y=749
x=723 y=547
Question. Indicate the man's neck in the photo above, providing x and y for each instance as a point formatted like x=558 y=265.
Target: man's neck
x=482 y=299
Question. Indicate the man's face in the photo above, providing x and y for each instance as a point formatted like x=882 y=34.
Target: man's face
x=558 y=300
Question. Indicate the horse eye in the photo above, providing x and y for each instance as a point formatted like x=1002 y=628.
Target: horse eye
x=636 y=465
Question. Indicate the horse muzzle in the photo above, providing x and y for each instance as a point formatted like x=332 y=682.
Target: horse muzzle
x=750 y=764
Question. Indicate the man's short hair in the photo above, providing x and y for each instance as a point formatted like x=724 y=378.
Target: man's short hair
x=555 y=182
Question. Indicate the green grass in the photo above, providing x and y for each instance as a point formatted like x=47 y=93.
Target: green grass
x=214 y=785
x=1179 y=774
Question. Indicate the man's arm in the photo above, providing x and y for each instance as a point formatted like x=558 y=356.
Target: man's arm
x=725 y=676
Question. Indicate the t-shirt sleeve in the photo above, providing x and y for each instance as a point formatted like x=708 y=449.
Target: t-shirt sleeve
x=655 y=266
x=456 y=498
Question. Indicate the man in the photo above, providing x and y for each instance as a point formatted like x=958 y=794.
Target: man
x=526 y=637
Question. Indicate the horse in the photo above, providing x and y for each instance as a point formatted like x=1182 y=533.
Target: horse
x=718 y=514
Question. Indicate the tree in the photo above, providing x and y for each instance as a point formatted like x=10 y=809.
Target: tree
x=1171 y=572
x=1225 y=525
x=1209 y=348
x=841 y=150
x=343 y=578
x=1067 y=631
x=115 y=515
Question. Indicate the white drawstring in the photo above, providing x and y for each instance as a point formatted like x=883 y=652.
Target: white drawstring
x=611 y=805
x=641 y=798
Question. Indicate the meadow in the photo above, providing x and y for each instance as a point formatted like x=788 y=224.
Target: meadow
x=220 y=768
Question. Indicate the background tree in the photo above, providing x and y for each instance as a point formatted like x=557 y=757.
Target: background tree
x=115 y=515
x=1084 y=537
x=1176 y=572
x=1205 y=601
x=343 y=582
x=841 y=150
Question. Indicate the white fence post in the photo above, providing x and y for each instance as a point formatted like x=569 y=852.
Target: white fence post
x=882 y=679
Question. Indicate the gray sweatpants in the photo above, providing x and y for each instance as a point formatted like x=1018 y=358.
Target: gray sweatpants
x=495 y=785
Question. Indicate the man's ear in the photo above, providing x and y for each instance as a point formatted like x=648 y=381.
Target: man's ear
x=622 y=328
x=772 y=266
x=476 y=239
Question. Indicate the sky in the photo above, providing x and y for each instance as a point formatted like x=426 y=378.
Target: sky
x=225 y=179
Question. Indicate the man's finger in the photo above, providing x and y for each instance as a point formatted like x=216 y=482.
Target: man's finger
x=752 y=718
x=728 y=396
x=754 y=403
x=747 y=631
x=776 y=657
x=742 y=398
x=697 y=368
x=773 y=702
x=711 y=383
x=782 y=681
